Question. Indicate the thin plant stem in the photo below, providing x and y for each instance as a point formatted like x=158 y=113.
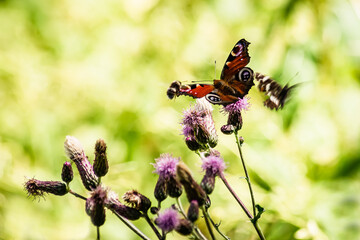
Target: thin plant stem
x=246 y=173
x=148 y=220
x=208 y=223
x=131 y=226
x=216 y=226
x=97 y=232
x=77 y=195
x=242 y=205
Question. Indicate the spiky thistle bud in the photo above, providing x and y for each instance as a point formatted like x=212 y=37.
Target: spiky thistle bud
x=101 y=165
x=95 y=206
x=192 y=188
x=193 y=211
x=160 y=192
x=137 y=200
x=174 y=187
x=75 y=152
x=37 y=188
x=114 y=205
x=192 y=144
x=67 y=174
x=185 y=227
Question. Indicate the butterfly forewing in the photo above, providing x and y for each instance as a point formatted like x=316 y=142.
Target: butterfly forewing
x=237 y=59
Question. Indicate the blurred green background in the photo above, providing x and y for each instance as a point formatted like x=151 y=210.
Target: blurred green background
x=100 y=69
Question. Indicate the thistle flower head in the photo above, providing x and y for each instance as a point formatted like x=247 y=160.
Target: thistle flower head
x=241 y=105
x=198 y=124
x=137 y=200
x=213 y=164
x=165 y=165
x=168 y=220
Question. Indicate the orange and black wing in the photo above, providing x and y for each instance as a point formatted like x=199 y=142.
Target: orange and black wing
x=237 y=59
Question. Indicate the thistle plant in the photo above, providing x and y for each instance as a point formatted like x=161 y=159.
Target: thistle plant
x=174 y=179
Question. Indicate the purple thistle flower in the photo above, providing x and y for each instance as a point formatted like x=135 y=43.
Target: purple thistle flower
x=198 y=123
x=237 y=107
x=168 y=220
x=165 y=165
x=213 y=164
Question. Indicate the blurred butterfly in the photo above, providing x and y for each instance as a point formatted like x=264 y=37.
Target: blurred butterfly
x=235 y=82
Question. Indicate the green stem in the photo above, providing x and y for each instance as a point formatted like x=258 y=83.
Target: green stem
x=216 y=226
x=208 y=223
x=98 y=233
x=246 y=173
x=77 y=195
x=148 y=220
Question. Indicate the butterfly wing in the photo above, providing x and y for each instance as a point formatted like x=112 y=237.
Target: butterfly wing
x=237 y=59
x=193 y=90
x=278 y=95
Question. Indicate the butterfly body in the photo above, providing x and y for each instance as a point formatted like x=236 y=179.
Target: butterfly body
x=235 y=82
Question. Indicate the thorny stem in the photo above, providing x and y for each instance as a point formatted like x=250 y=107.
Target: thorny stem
x=197 y=233
x=216 y=226
x=208 y=223
x=246 y=173
x=148 y=220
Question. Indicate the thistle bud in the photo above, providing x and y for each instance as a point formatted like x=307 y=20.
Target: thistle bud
x=174 y=187
x=241 y=140
x=235 y=119
x=38 y=188
x=101 y=165
x=154 y=210
x=95 y=206
x=137 y=200
x=185 y=227
x=192 y=188
x=192 y=144
x=193 y=211
x=208 y=182
x=75 y=152
x=124 y=211
x=160 y=189
x=227 y=129
x=67 y=174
